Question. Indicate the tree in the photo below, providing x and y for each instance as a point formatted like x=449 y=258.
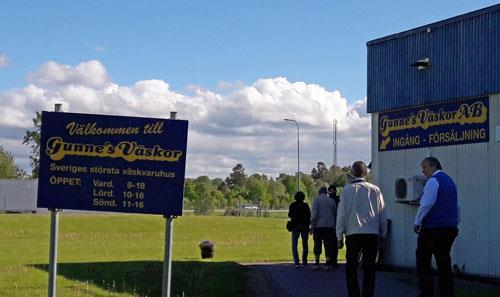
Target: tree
x=290 y=183
x=217 y=198
x=340 y=179
x=319 y=173
x=310 y=188
x=205 y=201
x=223 y=188
x=8 y=168
x=257 y=190
x=190 y=194
x=32 y=140
x=277 y=193
x=216 y=182
x=237 y=178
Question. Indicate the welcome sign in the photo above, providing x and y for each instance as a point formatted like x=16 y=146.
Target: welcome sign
x=112 y=163
x=435 y=125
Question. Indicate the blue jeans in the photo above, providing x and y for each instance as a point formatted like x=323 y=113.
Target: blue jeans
x=302 y=231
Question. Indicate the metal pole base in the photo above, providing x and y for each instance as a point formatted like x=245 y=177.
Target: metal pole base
x=54 y=230
x=167 y=260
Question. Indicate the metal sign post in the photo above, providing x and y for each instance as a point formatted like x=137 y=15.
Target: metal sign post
x=54 y=229
x=167 y=260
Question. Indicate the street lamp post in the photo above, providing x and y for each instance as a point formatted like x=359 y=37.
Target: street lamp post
x=298 y=152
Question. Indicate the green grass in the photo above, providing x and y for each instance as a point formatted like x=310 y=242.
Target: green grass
x=469 y=290
x=121 y=255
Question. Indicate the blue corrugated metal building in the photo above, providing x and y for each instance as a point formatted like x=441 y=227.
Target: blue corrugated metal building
x=464 y=54
x=435 y=90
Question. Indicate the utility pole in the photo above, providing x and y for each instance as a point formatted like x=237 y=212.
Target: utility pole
x=298 y=152
x=334 y=142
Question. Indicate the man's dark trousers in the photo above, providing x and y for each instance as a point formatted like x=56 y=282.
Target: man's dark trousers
x=367 y=244
x=437 y=241
x=327 y=237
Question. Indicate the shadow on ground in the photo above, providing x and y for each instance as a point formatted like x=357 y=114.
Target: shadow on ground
x=143 y=278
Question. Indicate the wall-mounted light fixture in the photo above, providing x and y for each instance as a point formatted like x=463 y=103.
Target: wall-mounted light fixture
x=422 y=64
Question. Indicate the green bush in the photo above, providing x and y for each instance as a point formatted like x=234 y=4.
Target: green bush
x=233 y=212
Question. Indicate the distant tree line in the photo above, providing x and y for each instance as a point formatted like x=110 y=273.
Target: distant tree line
x=204 y=195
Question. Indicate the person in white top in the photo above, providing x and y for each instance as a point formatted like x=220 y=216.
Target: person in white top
x=362 y=219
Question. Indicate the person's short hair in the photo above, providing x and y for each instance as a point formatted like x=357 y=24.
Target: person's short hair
x=359 y=169
x=433 y=162
x=300 y=196
x=323 y=190
x=332 y=188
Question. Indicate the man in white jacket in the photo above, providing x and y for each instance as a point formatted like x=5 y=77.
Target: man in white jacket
x=361 y=218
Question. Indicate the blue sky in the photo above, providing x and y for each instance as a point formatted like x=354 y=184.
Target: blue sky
x=205 y=42
x=235 y=69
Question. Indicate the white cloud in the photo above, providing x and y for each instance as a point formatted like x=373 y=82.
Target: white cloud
x=244 y=126
x=230 y=86
x=100 y=48
x=51 y=74
x=4 y=61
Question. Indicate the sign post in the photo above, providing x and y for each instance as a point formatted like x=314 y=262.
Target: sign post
x=54 y=231
x=111 y=164
x=167 y=258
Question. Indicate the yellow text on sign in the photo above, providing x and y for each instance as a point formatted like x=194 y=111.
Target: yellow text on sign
x=67 y=181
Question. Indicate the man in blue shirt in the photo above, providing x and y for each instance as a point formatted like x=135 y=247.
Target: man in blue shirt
x=436 y=225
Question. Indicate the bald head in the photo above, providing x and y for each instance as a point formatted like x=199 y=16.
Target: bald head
x=359 y=169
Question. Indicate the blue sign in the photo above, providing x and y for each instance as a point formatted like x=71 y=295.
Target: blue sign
x=435 y=125
x=112 y=163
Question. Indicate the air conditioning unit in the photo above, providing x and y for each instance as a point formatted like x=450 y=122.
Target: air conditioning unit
x=409 y=189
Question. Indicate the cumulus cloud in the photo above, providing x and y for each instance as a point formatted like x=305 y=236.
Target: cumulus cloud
x=4 y=61
x=243 y=126
x=230 y=86
x=51 y=74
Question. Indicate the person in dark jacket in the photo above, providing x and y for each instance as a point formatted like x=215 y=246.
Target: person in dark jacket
x=332 y=193
x=300 y=215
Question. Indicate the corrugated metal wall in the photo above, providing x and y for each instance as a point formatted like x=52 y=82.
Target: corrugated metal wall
x=18 y=194
x=465 y=62
x=474 y=167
